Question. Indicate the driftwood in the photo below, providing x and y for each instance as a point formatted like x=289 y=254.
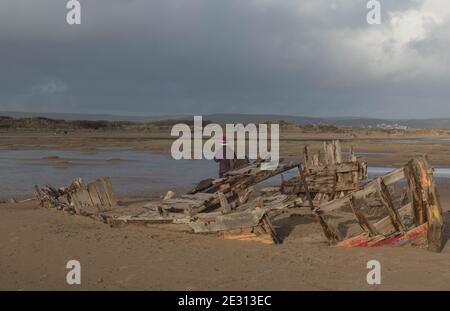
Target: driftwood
x=380 y=214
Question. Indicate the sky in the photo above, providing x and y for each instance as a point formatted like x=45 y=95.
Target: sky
x=295 y=57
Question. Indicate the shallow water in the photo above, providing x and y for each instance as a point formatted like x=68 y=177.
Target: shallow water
x=439 y=172
x=133 y=173
x=412 y=140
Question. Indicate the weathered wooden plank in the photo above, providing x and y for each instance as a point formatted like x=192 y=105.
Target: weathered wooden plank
x=385 y=227
x=102 y=195
x=337 y=151
x=80 y=202
x=242 y=181
x=347 y=167
x=306 y=157
x=386 y=199
x=244 y=195
x=333 y=205
x=333 y=152
x=435 y=234
x=226 y=208
x=365 y=224
x=107 y=184
x=394 y=176
x=364 y=240
x=415 y=193
x=225 y=222
x=94 y=195
x=330 y=231
x=154 y=218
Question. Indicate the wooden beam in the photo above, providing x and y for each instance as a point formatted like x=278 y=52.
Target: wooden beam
x=386 y=199
x=206 y=223
x=365 y=224
x=337 y=151
x=226 y=208
x=304 y=184
x=415 y=193
x=394 y=176
x=435 y=234
x=307 y=157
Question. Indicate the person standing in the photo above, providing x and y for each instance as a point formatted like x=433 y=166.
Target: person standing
x=225 y=164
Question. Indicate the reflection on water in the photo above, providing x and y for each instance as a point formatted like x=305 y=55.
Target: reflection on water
x=132 y=172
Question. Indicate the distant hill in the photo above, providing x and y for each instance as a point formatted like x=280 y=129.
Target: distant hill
x=247 y=118
x=76 y=116
x=338 y=121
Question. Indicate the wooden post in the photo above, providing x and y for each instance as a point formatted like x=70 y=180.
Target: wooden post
x=415 y=193
x=337 y=151
x=434 y=210
x=329 y=153
x=307 y=157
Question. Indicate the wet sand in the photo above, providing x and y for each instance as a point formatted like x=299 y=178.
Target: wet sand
x=36 y=243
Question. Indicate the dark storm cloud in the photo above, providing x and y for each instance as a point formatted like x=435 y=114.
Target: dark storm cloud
x=309 y=57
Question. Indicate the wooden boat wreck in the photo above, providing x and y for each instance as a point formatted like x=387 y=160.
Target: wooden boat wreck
x=400 y=208
x=219 y=206
x=93 y=199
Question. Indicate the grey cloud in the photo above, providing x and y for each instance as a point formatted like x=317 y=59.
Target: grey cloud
x=203 y=56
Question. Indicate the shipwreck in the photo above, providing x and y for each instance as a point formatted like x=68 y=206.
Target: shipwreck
x=400 y=208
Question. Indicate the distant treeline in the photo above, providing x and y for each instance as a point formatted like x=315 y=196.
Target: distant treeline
x=59 y=125
x=47 y=124
x=41 y=123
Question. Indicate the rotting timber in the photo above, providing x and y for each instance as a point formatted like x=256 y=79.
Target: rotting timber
x=328 y=175
x=400 y=208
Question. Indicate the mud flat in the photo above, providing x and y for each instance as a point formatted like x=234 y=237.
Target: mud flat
x=378 y=148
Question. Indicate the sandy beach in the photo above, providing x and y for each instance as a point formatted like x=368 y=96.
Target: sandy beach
x=36 y=243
